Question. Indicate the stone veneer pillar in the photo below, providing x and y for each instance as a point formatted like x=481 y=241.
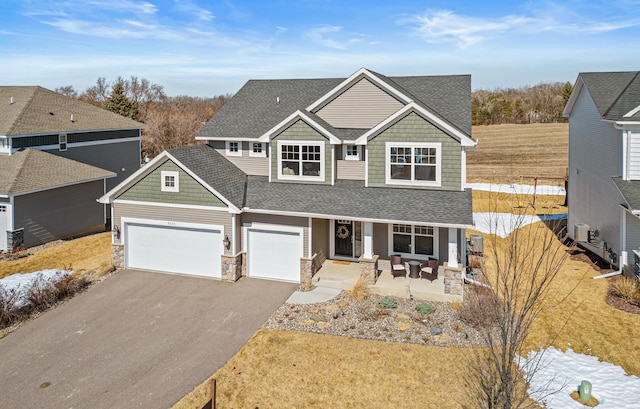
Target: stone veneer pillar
x=233 y=267
x=307 y=271
x=117 y=256
x=453 y=283
x=369 y=269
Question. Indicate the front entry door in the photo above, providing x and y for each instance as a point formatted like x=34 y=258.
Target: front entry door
x=343 y=238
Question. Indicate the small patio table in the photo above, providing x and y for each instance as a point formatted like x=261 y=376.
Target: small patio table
x=414 y=269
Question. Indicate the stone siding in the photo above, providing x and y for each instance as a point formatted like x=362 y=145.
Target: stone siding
x=233 y=267
x=307 y=271
x=117 y=256
x=369 y=269
x=453 y=283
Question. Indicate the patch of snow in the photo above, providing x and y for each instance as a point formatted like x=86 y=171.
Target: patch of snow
x=21 y=283
x=503 y=224
x=519 y=189
x=564 y=371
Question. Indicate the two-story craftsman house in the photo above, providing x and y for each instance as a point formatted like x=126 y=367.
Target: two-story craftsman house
x=295 y=170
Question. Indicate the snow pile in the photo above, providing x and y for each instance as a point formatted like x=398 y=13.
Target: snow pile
x=503 y=224
x=20 y=284
x=519 y=189
x=563 y=372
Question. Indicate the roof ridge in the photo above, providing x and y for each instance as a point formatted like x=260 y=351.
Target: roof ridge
x=24 y=109
x=615 y=101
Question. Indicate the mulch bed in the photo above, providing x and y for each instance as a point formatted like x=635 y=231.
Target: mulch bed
x=618 y=303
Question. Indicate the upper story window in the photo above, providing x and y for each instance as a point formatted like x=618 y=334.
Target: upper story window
x=301 y=160
x=62 y=142
x=4 y=145
x=170 y=181
x=351 y=152
x=413 y=240
x=234 y=148
x=413 y=163
x=257 y=149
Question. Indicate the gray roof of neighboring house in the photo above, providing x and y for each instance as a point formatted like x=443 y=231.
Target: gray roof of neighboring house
x=215 y=170
x=36 y=110
x=262 y=104
x=630 y=190
x=614 y=93
x=33 y=170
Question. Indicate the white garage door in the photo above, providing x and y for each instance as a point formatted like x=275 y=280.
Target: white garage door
x=174 y=249
x=274 y=254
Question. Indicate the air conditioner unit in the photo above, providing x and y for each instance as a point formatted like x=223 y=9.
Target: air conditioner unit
x=581 y=232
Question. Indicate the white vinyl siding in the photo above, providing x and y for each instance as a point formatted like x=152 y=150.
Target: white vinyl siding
x=233 y=148
x=363 y=106
x=633 y=156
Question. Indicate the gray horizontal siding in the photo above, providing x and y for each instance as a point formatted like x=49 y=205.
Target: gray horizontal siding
x=251 y=165
x=634 y=157
x=414 y=128
x=249 y=218
x=350 y=169
x=148 y=189
x=52 y=139
x=363 y=105
x=173 y=214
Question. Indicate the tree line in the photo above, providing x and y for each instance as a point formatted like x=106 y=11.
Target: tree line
x=172 y=121
x=542 y=103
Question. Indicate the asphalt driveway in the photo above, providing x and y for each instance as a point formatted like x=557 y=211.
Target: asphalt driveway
x=136 y=340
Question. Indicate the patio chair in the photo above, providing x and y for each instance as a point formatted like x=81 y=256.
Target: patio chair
x=429 y=270
x=397 y=266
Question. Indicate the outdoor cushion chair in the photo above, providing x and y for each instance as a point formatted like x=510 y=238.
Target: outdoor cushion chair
x=429 y=270
x=397 y=266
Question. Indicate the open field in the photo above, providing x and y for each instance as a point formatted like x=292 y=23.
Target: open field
x=505 y=152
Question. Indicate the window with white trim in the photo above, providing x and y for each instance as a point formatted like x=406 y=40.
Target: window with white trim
x=413 y=240
x=257 y=149
x=170 y=181
x=301 y=160
x=351 y=152
x=233 y=148
x=413 y=163
x=3 y=209
x=62 y=142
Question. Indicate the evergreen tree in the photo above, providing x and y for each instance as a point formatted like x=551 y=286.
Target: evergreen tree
x=120 y=104
x=566 y=91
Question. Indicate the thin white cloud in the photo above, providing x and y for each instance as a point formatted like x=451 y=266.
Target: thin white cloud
x=142 y=7
x=6 y=33
x=332 y=37
x=200 y=13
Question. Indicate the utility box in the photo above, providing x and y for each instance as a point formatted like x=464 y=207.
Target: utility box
x=476 y=244
x=585 y=391
x=581 y=232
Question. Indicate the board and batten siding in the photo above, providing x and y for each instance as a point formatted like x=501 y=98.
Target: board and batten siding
x=300 y=131
x=633 y=156
x=277 y=220
x=172 y=214
x=363 y=105
x=251 y=165
x=414 y=128
x=595 y=155
x=148 y=189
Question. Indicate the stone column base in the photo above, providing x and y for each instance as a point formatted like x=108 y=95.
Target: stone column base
x=369 y=269
x=233 y=267
x=117 y=256
x=307 y=271
x=453 y=280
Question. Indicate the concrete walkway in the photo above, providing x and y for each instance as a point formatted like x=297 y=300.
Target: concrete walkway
x=136 y=340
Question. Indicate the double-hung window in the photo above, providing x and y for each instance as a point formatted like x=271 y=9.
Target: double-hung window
x=413 y=163
x=413 y=240
x=62 y=142
x=301 y=160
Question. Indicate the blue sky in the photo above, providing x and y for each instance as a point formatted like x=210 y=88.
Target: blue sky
x=206 y=48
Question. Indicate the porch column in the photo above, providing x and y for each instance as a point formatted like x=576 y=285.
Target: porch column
x=453 y=248
x=367 y=250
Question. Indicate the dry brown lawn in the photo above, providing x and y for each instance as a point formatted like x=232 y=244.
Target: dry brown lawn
x=83 y=255
x=506 y=152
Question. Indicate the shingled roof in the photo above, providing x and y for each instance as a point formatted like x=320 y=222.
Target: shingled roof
x=32 y=110
x=614 y=93
x=32 y=170
x=262 y=104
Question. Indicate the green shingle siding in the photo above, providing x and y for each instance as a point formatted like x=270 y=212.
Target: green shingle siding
x=413 y=128
x=148 y=189
x=300 y=131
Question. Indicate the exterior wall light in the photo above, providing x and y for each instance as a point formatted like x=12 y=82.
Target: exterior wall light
x=226 y=242
x=116 y=232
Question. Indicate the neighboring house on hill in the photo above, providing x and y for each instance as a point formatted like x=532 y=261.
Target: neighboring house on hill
x=35 y=118
x=296 y=171
x=604 y=164
x=44 y=197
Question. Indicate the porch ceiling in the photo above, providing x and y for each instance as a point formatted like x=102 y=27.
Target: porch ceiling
x=351 y=200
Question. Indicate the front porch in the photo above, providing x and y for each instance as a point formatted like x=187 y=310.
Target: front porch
x=344 y=274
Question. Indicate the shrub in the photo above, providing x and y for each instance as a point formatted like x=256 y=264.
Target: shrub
x=9 y=314
x=425 y=308
x=360 y=291
x=479 y=307
x=388 y=302
x=627 y=289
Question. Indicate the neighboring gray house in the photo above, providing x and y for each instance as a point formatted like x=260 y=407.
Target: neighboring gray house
x=58 y=127
x=604 y=164
x=44 y=197
x=296 y=171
